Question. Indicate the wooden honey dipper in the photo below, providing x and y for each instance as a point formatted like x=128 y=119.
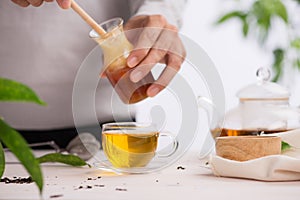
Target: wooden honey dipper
x=88 y=19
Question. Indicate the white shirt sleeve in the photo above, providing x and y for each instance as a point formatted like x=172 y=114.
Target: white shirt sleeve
x=172 y=10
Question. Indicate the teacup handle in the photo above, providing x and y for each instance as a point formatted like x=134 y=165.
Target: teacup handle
x=174 y=144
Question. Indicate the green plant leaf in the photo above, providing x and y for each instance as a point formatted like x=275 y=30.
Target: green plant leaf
x=234 y=14
x=278 y=55
x=295 y=43
x=245 y=28
x=63 y=158
x=14 y=91
x=19 y=147
x=279 y=9
x=262 y=14
x=242 y=16
x=297 y=63
x=2 y=160
x=265 y=9
x=297 y=1
x=285 y=146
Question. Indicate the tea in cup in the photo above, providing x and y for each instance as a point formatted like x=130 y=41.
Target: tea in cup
x=132 y=145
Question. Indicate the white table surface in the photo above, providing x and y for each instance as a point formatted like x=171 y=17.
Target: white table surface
x=194 y=182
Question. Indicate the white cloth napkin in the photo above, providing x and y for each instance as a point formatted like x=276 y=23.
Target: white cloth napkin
x=285 y=167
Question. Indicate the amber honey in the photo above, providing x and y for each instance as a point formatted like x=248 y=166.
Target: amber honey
x=116 y=48
x=119 y=75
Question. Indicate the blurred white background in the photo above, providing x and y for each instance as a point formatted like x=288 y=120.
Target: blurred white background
x=235 y=57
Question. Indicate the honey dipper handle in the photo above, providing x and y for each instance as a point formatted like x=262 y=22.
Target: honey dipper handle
x=88 y=19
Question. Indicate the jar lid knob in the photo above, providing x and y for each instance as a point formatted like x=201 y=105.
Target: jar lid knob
x=263 y=74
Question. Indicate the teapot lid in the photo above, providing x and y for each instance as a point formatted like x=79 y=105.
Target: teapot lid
x=263 y=89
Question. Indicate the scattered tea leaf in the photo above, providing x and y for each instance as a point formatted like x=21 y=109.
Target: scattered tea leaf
x=56 y=196
x=99 y=185
x=2 y=160
x=121 y=189
x=14 y=91
x=180 y=168
x=63 y=158
x=16 y=180
x=18 y=146
x=285 y=146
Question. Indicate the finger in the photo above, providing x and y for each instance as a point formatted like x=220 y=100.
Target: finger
x=173 y=66
x=22 y=3
x=64 y=4
x=179 y=50
x=155 y=55
x=140 y=72
x=145 y=42
x=36 y=3
x=134 y=22
x=168 y=37
x=133 y=28
x=147 y=39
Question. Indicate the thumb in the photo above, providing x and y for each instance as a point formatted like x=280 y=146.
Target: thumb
x=64 y=4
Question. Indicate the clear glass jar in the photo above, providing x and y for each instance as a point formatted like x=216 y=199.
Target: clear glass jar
x=116 y=49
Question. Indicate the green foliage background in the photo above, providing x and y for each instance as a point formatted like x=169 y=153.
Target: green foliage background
x=258 y=18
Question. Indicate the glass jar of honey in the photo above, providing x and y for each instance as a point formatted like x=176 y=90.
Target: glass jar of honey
x=116 y=49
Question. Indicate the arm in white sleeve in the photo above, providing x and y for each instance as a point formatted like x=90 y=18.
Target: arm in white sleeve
x=172 y=10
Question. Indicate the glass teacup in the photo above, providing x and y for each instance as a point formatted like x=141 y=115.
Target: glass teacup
x=131 y=147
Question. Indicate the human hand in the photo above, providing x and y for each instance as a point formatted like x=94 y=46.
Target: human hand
x=156 y=41
x=65 y=4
